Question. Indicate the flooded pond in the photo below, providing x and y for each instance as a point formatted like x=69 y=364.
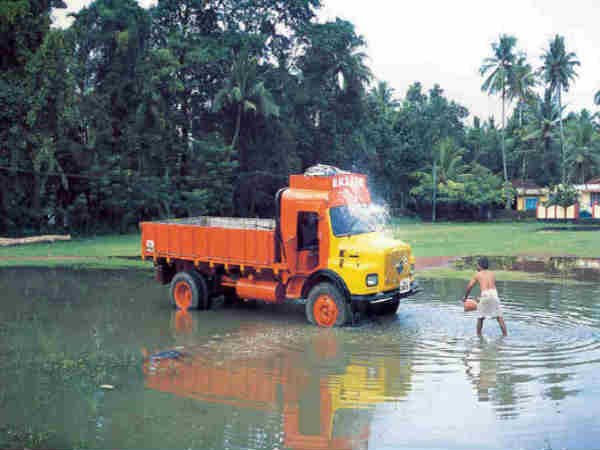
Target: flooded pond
x=241 y=378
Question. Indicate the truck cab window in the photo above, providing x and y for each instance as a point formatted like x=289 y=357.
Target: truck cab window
x=357 y=219
x=308 y=229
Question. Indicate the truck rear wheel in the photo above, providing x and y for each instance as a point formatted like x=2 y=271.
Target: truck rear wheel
x=327 y=307
x=189 y=291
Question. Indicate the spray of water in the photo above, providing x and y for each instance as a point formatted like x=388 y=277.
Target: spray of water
x=365 y=217
x=362 y=217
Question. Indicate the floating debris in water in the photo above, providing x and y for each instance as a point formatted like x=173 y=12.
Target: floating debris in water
x=168 y=354
x=107 y=386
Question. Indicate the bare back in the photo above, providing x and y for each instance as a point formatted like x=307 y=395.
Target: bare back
x=486 y=280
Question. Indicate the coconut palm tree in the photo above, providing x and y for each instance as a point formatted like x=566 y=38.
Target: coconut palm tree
x=353 y=71
x=450 y=160
x=383 y=96
x=500 y=67
x=447 y=165
x=245 y=91
x=542 y=117
x=558 y=71
x=584 y=157
x=521 y=83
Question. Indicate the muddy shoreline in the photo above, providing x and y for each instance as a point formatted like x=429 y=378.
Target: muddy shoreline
x=517 y=268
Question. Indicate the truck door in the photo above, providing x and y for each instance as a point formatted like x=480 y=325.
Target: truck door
x=308 y=240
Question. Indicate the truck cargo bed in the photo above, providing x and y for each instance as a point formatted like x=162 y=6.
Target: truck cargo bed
x=225 y=240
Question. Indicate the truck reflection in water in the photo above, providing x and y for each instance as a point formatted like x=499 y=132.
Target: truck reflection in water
x=321 y=398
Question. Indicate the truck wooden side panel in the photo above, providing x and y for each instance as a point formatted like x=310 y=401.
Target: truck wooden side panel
x=253 y=247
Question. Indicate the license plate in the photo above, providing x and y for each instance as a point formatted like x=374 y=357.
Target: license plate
x=404 y=285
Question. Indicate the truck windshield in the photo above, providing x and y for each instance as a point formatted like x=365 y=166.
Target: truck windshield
x=356 y=219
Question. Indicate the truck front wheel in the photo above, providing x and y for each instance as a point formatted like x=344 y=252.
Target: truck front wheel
x=189 y=291
x=327 y=307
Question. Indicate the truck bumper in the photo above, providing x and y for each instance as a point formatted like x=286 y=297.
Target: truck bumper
x=386 y=296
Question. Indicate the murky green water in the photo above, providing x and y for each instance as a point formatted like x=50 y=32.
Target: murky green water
x=265 y=379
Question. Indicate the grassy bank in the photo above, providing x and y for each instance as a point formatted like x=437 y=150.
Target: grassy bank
x=112 y=251
x=426 y=239
x=496 y=238
x=527 y=238
x=501 y=275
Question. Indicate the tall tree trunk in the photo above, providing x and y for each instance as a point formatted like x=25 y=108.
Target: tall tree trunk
x=236 y=133
x=508 y=199
x=521 y=113
x=521 y=101
x=243 y=195
x=562 y=148
x=403 y=192
x=251 y=201
x=4 y=191
x=36 y=194
x=503 y=150
x=434 y=190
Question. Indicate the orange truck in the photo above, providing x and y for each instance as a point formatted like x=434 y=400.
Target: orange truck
x=324 y=247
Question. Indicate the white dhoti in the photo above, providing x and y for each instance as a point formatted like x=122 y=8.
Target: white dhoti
x=489 y=305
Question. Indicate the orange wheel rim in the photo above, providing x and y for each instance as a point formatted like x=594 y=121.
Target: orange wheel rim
x=325 y=311
x=183 y=295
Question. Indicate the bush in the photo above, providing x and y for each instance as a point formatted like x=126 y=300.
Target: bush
x=563 y=195
x=511 y=214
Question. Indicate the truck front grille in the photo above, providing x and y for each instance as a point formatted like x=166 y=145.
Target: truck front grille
x=392 y=260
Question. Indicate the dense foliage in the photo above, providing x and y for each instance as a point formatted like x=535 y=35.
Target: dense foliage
x=206 y=106
x=562 y=195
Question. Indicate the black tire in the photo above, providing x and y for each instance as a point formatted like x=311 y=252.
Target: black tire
x=333 y=302
x=191 y=286
x=230 y=298
x=250 y=303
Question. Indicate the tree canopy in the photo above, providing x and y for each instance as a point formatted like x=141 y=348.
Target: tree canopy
x=198 y=107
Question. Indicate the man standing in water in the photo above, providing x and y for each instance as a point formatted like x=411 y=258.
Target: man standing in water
x=489 y=303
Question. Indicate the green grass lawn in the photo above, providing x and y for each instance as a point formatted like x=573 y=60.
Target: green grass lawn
x=426 y=239
x=526 y=238
x=496 y=238
x=99 y=251
x=98 y=246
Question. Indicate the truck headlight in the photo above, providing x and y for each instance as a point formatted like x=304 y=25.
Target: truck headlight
x=372 y=279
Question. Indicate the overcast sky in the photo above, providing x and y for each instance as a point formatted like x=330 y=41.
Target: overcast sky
x=445 y=42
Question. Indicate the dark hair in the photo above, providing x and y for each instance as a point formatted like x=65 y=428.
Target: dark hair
x=483 y=262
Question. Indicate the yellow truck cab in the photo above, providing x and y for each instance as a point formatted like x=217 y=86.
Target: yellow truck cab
x=330 y=223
